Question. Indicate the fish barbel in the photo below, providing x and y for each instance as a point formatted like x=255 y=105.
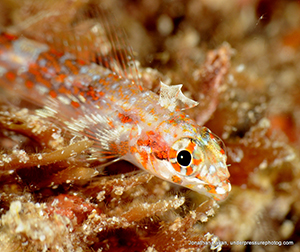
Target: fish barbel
x=124 y=120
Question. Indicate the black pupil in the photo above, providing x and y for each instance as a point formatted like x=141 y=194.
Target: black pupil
x=184 y=158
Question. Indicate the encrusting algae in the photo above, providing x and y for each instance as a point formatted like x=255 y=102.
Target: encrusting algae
x=56 y=196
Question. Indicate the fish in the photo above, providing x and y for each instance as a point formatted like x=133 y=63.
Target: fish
x=102 y=98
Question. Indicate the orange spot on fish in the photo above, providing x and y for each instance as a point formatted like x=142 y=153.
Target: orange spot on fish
x=176 y=179
x=191 y=146
x=125 y=118
x=53 y=94
x=211 y=189
x=111 y=124
x=63 y=90
x=60 y=77
x=152 y=111
x=10 y=36
x=92 y=94
x=172 y=153
x=150 y=133
x=133 y=149
x=51 y=61
x=176 y=167
x=10 y=76
x=75 y=104
x=71 y=66
x=34 y=69
x=189 y=170
x=56 y=53
x=198 y=176
x=103 y=82
x=76 y=90
x=144 y=158
x=197 y=161
x=161 y=154
x=114 y=77
x=81 y=62
x=43 y=81
x=44 y=69
x=29 y=84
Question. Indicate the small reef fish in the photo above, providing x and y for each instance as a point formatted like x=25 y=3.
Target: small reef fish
x=125 y=121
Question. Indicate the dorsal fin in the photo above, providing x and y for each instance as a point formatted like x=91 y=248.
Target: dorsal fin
x=88 y=31
x=172 y=98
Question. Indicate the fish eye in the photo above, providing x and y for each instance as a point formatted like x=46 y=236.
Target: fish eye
x=184 y=158
x=181 y=156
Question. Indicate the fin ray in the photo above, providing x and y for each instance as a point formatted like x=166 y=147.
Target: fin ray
x=91 y=34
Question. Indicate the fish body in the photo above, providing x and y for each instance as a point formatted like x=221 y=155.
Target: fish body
x=124 y=120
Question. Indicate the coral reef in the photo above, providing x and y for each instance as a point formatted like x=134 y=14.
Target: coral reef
x=240 y=60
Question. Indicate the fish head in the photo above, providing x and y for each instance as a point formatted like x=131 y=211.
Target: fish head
x=199 y=163
x=186 y=154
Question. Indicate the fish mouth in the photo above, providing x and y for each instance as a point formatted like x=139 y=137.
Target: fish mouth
x=220 y=191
